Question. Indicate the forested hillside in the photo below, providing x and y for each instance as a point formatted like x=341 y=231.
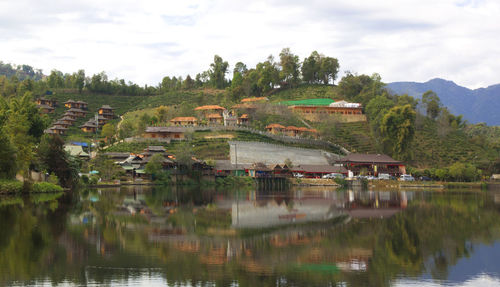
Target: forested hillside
x=421 y=131
x=479 y=105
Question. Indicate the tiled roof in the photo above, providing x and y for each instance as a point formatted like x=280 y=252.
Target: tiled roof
x=164 y=129
x=275 y=126
x=45 y=107
x=209 y=107
x=313 y=168
x=256 y=99
x=184 y=119
x=214 y=116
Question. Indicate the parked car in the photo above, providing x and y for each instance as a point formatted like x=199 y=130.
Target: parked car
x=406 y=177
x=384 y=176
x=333 y=175
x=425 y=178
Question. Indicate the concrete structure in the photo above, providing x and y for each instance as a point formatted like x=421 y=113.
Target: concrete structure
x=252 y=152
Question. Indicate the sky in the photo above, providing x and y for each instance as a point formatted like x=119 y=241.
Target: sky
x=143 y=41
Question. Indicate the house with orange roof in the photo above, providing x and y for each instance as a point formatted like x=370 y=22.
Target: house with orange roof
x=243 y=120
x=215 y=119
x=275 y=128
x=210 y=109
x=255 y=99
x=184 y=121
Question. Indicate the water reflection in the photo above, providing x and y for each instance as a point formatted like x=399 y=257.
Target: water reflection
x=307 y=236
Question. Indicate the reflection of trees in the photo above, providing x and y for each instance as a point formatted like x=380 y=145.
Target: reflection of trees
x=429 y=236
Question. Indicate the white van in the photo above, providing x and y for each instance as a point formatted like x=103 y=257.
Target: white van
x=406 y=177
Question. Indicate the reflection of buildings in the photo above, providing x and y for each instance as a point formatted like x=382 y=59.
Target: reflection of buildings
x=376 y=204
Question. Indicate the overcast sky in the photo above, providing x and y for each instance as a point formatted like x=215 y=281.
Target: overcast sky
x=143 y=41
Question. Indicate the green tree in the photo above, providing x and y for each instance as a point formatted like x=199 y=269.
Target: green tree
x=290 y=67
x=155 y=165
x=310 y=68
x=432 y=104
x=328 y=70
x=108 y=131
x=79 y=80
x=7 y=157
x=126 y=129
x=161 y=113
x=398 y=130
x=108 y=170
x=217 y=72
x=54 y=159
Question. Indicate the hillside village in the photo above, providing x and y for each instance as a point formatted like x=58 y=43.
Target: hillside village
x=286 y=118
x=269 y=161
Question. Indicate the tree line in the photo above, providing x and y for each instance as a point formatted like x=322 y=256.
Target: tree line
x=286 y=72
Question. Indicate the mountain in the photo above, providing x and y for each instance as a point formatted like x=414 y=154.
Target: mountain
x=479 y=105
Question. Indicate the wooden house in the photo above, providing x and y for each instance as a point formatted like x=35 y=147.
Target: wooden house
x=67 y=120
x=81 y=105
x=243 y=120
x=210 y=109
x=101 y=120
x=275 y=128
x=56 y=130
x=78 y=112
x=292 y=131
x=349 y=112
x=45 y=109
x=259 y=170
x=164 y=132
x=63 y=124
x=215 y=119
x=70 y=104
x=89 y=127
x=107 y=112
x=70 y=115
x=48 y=102
x=184 y=121
x=372 y=164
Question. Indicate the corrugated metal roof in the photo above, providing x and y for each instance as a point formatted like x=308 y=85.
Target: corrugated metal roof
x=309 y=102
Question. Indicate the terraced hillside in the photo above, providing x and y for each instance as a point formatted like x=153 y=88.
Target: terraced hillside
x=356 y=137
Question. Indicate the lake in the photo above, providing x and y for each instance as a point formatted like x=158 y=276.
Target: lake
x=161 y=236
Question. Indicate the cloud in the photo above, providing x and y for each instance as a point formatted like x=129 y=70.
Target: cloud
x=147 y=40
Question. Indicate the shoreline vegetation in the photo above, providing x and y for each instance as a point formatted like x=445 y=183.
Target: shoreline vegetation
x=15 y=186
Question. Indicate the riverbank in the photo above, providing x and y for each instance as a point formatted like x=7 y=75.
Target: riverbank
x=313 y=182
x=394 y=184
x=15 y=186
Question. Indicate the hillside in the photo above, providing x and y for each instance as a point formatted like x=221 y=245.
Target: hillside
x=479 y=105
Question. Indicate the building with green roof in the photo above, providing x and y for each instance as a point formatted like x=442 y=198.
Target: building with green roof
x=309 y=102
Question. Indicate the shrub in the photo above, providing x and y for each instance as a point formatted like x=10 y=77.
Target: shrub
x=10 y=186
x=45 y=187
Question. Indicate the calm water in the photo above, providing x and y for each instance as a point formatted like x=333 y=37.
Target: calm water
x=305 y=237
